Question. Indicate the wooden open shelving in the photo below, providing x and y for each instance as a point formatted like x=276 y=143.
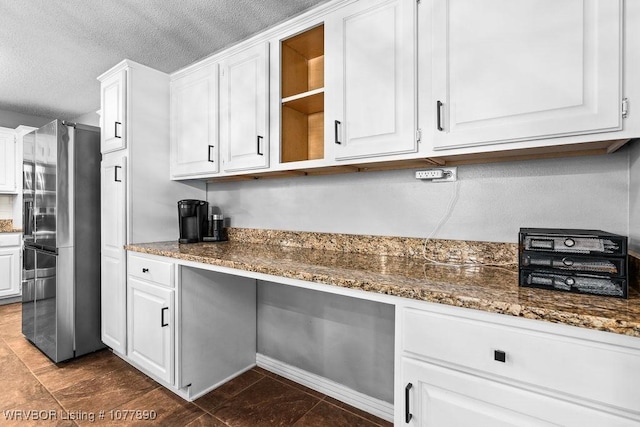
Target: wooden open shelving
x=302 y=83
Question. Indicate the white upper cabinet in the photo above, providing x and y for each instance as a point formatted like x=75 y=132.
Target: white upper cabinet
x=507 y=71
x=194 y=123
x=7 y=161
x=370 y=77
x=113 y=112
x=244 y=120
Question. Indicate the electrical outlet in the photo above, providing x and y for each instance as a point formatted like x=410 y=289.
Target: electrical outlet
x=430 y=174
x=438 y=174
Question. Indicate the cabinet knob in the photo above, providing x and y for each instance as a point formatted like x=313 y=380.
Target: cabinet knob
x=499 y=356
x=145 y=270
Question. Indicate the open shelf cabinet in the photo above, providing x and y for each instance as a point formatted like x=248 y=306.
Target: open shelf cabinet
x=302 y=83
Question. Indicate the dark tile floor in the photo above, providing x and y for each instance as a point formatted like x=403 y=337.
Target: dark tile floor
x=74 y=393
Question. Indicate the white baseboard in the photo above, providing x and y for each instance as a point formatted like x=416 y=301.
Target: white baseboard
x=369 y=404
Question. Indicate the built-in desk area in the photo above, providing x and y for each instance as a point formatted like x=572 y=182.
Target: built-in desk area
x=453 y=325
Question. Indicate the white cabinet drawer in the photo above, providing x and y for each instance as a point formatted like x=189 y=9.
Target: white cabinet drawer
x=153 y=270
x=586 y=369
x=10 y=239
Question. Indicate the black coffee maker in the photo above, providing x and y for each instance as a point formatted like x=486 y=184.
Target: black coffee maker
x=192 y=220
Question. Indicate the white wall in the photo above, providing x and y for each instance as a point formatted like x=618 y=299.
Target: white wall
x=10 y=119
x=6 y=206
x=347 y=340
x=493 y=200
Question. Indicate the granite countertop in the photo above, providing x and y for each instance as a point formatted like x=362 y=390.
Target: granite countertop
x=492 y=289
x=6 y=226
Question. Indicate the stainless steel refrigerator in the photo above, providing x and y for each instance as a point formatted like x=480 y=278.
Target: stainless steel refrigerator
x=61 y=228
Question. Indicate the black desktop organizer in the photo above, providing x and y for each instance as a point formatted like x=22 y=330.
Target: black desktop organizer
x=581 y=261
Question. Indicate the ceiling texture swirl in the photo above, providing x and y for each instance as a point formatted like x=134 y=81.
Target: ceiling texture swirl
x=51 y=51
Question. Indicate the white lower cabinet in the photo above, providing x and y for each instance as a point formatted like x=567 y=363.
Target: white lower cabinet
x=187 y=328
x=442 y=397
x=150 y=319
x=483 y=369
x=9 y=264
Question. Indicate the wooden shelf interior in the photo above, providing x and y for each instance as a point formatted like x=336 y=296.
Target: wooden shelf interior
x=302 y=83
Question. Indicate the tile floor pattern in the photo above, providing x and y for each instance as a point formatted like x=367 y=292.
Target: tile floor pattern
x=75 y=390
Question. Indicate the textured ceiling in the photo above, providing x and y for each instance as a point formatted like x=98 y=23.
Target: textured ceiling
x=52 y=51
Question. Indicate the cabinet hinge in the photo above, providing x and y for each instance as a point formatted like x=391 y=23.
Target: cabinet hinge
x=419 y=135
x=625 y=108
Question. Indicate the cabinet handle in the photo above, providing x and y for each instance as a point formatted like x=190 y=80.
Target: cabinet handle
x=499 y=356
x=258 y=150
x=115 y=130
x=162 y=324
x=439 y=116
x=209 y=154
x=407 y=410
x=115 y=173
x=145 y=270
x=336 y=123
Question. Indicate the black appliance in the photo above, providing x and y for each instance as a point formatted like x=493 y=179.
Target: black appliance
x=216 y=231
x=582 y=261
x=192 y=220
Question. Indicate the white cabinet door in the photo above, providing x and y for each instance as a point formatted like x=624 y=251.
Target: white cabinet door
x=439 y=397
x=507 y=71
x=113 y=255
x=7 y=161
x=370 y=62
x=194 y=123
x=150 y=328
x=113 y=112
x=9 y=272
x=244 y=128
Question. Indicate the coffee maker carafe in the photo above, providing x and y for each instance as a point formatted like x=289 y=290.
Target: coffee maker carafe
x=192 y=220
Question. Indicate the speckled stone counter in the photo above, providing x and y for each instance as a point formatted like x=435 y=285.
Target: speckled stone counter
x=6 y=226
x=487 y=288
